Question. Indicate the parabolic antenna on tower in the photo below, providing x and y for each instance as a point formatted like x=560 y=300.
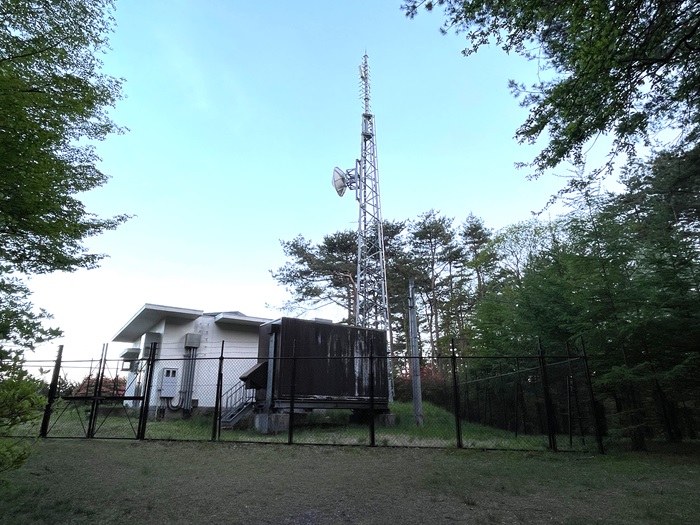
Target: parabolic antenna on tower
x=339 y=181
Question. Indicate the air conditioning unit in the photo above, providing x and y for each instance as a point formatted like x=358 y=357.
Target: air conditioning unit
x=130 y=356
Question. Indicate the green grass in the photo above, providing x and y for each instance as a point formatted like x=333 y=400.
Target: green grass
x=330 y=427
x=77 y=482
x=70 y=419
x=196 y=428
x=335 y=427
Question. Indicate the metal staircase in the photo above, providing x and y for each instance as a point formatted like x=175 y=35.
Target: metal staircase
x=237 y=402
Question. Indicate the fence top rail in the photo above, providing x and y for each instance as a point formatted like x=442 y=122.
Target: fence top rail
x=518 y=372
x=546 y=356
x=563 y=358
x=87 y=362
x=105 y=398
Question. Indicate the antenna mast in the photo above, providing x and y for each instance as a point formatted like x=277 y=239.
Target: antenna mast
x=371 y=300
x=371 y=306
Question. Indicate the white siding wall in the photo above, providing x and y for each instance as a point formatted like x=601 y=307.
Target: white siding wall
x=241 y=347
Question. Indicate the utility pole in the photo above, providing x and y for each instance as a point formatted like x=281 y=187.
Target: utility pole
x=415 y=356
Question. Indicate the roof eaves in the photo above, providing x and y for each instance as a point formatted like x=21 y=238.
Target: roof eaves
x=148 y=316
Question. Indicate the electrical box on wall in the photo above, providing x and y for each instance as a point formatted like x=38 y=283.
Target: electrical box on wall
x=193 y=340
x=168 y=383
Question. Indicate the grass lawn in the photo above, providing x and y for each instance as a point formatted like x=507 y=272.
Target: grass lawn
x=115 y=482
x=330 y=427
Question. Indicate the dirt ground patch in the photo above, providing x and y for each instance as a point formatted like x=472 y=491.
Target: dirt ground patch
x=110 y=482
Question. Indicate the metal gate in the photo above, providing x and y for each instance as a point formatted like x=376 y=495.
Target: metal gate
x=98 y=407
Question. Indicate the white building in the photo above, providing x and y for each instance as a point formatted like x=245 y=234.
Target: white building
x=189 y=344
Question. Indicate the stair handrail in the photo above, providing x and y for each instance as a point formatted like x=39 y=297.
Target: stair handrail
x=237 y=396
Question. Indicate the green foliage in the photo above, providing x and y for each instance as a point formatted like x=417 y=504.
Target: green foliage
x=619 y=275
x=20 y=402
x=53 y=107
x=479 y=255
x=625 y=68
x=53 y=99
x=436 y=262
x=20 y=325
x=325 y=274
x=499 y=323
x=318 y=276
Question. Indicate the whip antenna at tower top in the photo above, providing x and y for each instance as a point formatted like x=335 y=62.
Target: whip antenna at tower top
x=364 y=82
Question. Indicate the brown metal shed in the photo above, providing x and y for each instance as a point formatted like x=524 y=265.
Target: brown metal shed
x=334 y=366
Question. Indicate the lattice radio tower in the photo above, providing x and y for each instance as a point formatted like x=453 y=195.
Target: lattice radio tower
x=371 y=301
x=371 y=304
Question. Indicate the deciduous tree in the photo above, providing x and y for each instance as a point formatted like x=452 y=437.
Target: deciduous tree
x=627 y=68
x=54 y=103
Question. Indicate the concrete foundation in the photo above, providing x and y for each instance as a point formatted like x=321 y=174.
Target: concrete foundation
x=272 y=423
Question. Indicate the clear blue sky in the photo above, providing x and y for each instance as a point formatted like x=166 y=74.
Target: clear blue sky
x=238 y=112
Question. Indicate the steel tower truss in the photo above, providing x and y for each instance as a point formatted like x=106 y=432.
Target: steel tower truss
x=371 y=300
x=371 y=306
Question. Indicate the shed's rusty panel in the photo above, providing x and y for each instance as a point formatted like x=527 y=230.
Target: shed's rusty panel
x=332 y=363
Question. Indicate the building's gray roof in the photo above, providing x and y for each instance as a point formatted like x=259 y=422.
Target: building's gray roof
x=151 y=314
x=238 y=318
x=148 y=316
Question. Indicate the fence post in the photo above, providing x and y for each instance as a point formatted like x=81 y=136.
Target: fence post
x=52 y=394
x=517 y=393
x=216 y=424
x=97 y=393
x=569 y=380
x=576 y=399
x=292 y=392
x=598 y=435
x=455 y=394
x=141 y=432
x=467 y=405
x=548 y=407
x=372 y=429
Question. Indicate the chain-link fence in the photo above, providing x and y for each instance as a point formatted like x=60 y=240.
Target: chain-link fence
x=86 y=399
x=519 y=403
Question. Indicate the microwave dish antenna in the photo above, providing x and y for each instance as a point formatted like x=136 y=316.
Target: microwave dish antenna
x=343 y=180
